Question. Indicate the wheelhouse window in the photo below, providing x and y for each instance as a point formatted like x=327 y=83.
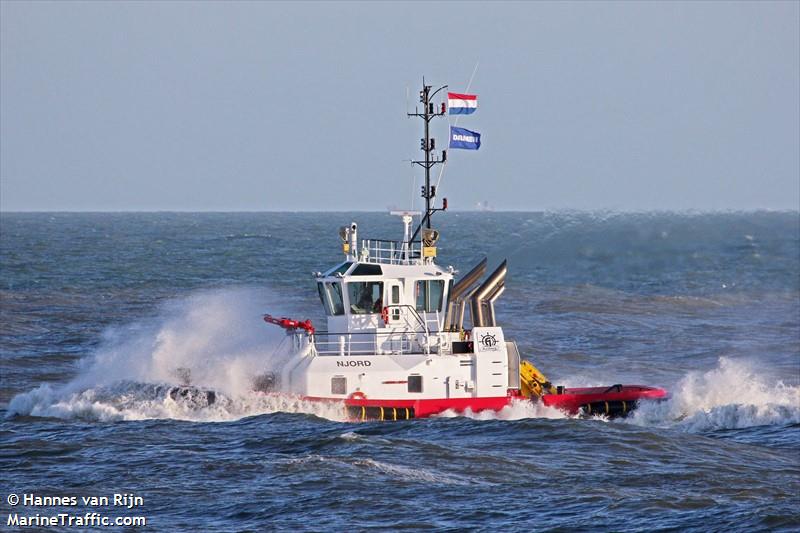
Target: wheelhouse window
x=365 y=297
x=341 y=269
x=326 y=304
x=331 y=295
x=367 y=269
x=429 y=295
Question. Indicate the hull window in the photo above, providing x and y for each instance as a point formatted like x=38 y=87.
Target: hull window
x=414 y=383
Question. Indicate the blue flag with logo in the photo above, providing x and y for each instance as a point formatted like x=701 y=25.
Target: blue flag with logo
x=464 y=139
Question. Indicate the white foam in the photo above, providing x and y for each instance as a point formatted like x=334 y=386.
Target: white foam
x=373 y=467
x=517 y=410
x=122 y=402
x=733 y=395
x=407 y=473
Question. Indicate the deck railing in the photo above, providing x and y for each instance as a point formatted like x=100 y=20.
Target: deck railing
x=362 y=343
x=378 y=343
x=391 y=252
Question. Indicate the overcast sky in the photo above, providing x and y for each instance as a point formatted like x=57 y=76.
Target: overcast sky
x=271 y=106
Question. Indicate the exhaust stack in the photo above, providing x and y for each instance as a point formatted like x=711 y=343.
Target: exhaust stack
x=461 y=291
x=487 y=293
x=490 y=317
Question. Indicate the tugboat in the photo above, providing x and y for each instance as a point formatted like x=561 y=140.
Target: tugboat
x=397 y=345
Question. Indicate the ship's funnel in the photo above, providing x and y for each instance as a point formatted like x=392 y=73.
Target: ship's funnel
x=458 y=295
x=490 y=289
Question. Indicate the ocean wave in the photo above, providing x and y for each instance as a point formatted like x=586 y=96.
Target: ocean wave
x=396 y=472
x=140 y=401
x=407 y=473
x=734 y=395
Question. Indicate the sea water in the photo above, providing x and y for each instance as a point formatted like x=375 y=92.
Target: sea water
x=98 y=310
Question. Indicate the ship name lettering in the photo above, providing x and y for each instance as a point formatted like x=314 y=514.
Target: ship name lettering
x=353 y=363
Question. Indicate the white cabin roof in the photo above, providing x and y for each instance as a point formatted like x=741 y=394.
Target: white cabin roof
x=357 y=269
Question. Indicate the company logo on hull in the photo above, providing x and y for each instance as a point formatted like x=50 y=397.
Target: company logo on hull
x=353 y=363
x=489 y=341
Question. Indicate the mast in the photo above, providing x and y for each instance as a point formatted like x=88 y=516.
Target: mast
x=428 y=145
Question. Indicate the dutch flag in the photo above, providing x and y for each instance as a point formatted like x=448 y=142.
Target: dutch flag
x=462 y=104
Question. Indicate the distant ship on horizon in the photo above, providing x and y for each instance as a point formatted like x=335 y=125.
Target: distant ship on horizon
x=484 y=206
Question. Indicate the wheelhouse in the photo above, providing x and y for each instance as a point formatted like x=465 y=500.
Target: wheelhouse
x=363 y=297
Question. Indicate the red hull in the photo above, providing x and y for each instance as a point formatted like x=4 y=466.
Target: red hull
x=425 y=408
x=614 y=401
x=571 y=400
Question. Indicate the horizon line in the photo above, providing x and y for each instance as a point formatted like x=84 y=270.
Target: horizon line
x=691 y=210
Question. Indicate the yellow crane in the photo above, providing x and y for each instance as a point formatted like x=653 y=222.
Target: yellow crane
x=532 y=382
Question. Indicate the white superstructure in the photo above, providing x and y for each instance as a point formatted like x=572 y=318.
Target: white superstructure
x=392 y=339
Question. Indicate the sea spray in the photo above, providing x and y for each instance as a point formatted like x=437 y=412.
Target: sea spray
x=733 y=395
x=214 y=340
